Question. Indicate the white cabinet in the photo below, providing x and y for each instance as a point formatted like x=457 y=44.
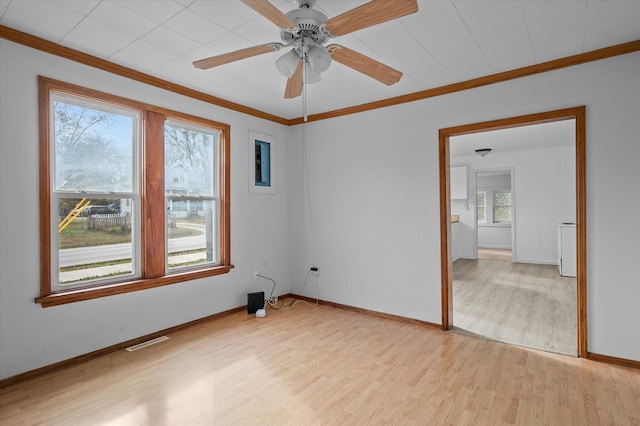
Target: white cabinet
x=567 y=264
x=458 y=177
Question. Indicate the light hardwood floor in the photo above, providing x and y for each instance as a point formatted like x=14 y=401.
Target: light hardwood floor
x=494 y=254
x=321 y=365
x=518 y=303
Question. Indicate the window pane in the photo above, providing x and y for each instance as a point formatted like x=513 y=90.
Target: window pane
x=94 y=239
x=189 y=161
x=93 y=149
x=480 y=205
x=502 y=206
x=502 y=214
x=191 y=235
x=502 y=199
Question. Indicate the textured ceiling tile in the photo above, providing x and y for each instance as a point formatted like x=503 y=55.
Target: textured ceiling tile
x=143 y=52
x=83 y=7
x=229 y=14
x=612 y=22
x=558 y=37
x=157 y=11
x=537 y=11
x=498 y=26
x=385 y=42
x=171 y=41
x=195 y=27
x=94 y=37
x=460 y=54
x=431 y=25
x=121 y=19
x=258 y=31
x=41 y=18
x=509 y=51
x=479 y=10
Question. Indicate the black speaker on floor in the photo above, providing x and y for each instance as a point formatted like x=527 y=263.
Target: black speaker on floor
x=255 y=301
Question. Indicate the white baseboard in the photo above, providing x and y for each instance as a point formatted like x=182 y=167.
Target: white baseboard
x=537 y=261
x=495 y=247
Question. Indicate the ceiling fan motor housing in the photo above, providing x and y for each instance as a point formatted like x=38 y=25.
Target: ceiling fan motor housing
x=309 y=28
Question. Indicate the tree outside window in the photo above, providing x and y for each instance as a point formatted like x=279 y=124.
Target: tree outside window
x=133 y=196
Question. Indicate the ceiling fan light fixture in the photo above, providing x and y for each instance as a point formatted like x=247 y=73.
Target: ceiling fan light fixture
x=319 y=59
x=288 y=63
x=483 y=152
x=311 y=76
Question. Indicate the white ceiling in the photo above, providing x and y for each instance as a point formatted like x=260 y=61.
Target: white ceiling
x=446 y=41
x=537 y=136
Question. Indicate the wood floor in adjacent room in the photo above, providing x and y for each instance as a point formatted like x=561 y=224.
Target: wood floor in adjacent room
x=321 y=365
x=520 y=303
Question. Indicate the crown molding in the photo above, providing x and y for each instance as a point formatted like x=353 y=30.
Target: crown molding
x=556 y=64
x=93 y=61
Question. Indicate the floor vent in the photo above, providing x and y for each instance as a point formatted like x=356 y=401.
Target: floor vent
x=147 y=343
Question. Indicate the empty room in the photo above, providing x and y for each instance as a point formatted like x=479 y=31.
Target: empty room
x=251 y=212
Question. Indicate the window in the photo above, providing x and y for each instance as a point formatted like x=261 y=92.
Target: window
x=94 y=194
x=192 y=204
x=494 y=206
x=133 y=196
x=501 y=206
x=481 y=206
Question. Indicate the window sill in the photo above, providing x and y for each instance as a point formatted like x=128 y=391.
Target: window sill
x=494 y=225
x=80 y=294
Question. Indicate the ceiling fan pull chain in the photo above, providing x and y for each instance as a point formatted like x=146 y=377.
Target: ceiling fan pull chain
x=304 y=87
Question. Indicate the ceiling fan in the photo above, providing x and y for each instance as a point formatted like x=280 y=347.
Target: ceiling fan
x=306 y=30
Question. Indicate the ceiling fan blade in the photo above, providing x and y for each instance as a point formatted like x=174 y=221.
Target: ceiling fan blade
x=272 y=13
x=364 y=64
x=294 y=84
x=373 y=13
x=236 y=55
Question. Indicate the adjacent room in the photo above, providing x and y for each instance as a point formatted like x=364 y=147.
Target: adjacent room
x=273 y=212
x=511 y=202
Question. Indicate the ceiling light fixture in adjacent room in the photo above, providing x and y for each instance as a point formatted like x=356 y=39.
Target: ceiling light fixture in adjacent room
x=483 y=152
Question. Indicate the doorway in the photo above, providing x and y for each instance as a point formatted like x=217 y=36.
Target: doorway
x=578 y=115
x=495 y=214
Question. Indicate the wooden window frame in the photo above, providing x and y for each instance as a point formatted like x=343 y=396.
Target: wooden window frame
x=153 y=214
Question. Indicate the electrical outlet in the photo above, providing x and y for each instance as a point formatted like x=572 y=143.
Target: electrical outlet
x=255 y=275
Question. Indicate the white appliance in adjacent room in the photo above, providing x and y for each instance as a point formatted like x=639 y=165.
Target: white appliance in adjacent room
x=567 y=264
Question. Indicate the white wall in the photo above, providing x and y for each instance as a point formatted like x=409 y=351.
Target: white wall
x=359 y=199
x=30 y=336
x=543 y=194
x=365 y=196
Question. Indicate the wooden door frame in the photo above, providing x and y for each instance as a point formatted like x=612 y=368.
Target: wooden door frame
x=575 y=113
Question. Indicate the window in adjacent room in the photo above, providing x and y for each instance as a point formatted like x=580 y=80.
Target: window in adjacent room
x=133 y=196
x=481 y=206
x=501 y=206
